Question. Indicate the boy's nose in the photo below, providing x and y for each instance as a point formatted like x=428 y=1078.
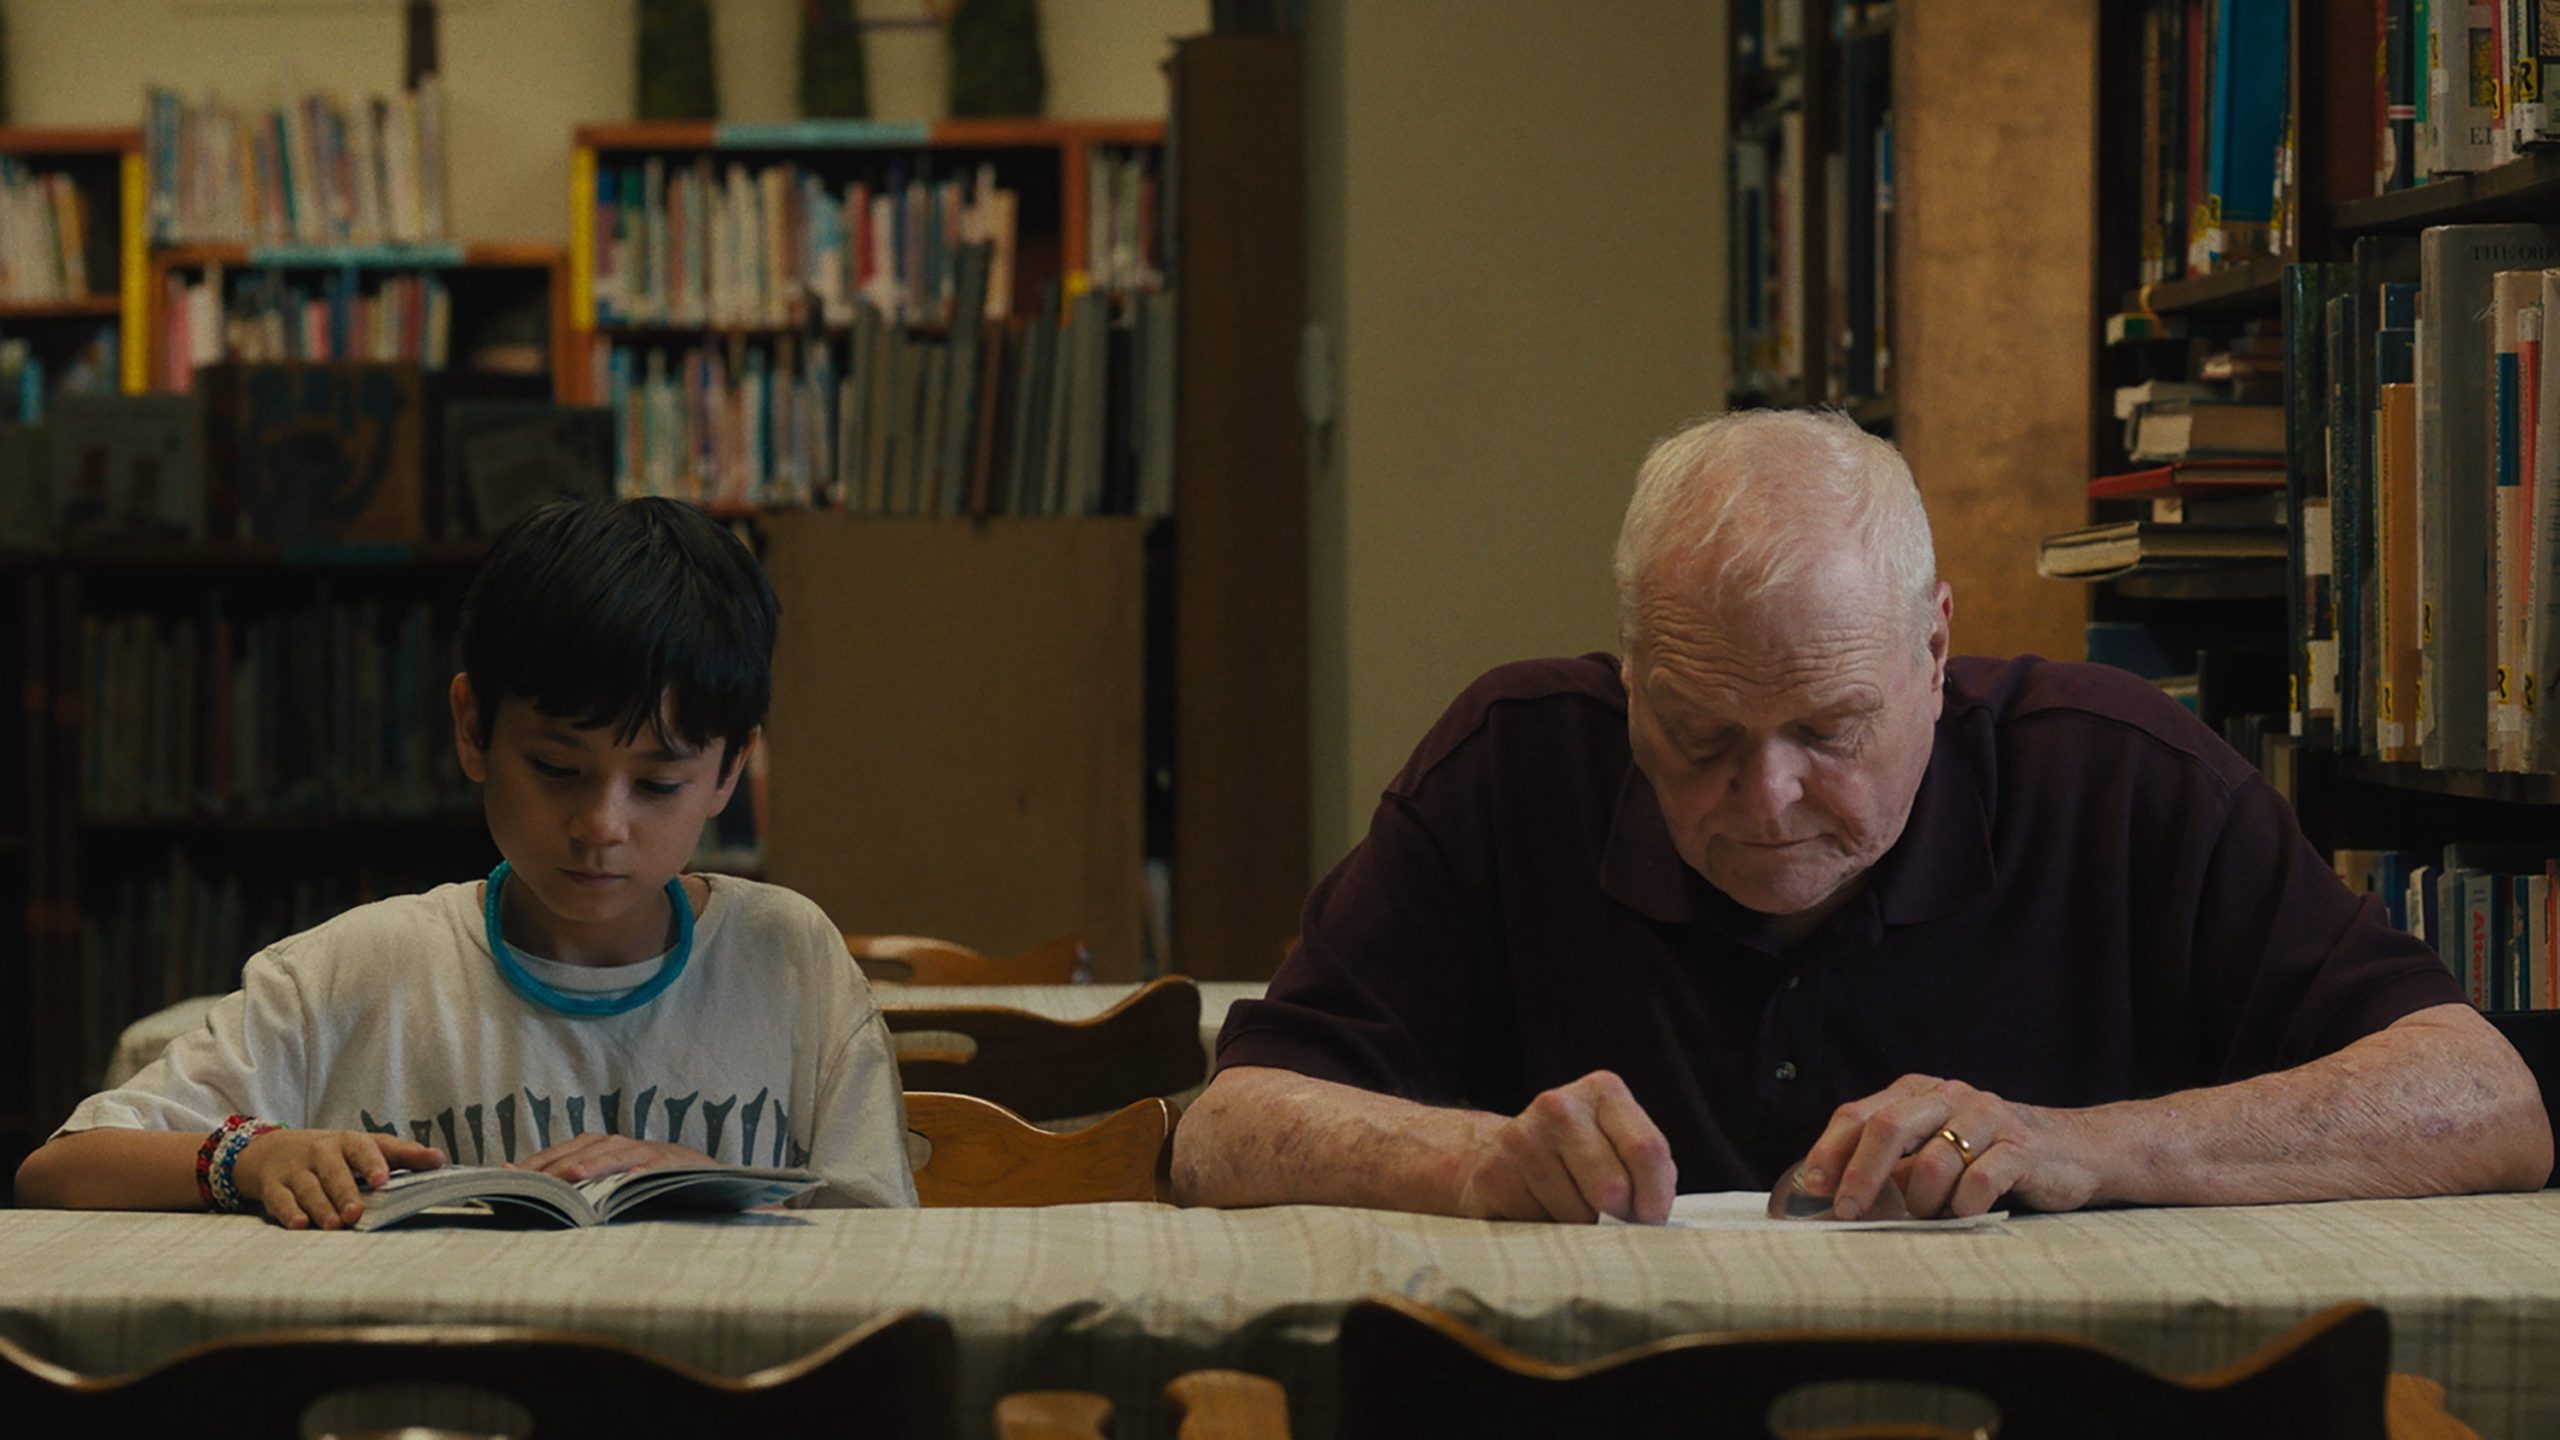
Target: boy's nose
x=601 y=820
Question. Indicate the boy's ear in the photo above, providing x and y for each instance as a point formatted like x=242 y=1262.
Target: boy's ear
x=738 y=765
x=466 y=731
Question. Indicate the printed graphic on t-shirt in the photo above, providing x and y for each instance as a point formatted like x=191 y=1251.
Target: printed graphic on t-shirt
x=757 y=1132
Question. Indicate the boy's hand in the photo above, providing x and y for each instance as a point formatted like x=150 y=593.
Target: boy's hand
x=315 y=1179
x=588 y=1156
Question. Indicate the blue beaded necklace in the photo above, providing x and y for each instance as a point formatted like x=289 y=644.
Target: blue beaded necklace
x=553 y=998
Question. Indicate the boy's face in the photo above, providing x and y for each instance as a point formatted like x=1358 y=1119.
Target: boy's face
x=593 y=828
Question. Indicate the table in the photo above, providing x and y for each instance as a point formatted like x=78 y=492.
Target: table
x=1121 y=1298
x=144 y=1039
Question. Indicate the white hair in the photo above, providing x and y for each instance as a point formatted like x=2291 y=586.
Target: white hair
x=1759 y=492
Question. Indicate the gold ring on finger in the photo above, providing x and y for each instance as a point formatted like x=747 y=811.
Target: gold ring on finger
x=1958 y=1141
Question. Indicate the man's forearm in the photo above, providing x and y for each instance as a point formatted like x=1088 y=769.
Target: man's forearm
x=2438 y=1103
x=1261 y=1136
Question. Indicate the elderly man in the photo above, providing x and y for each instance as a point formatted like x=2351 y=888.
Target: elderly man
x=1785 y=882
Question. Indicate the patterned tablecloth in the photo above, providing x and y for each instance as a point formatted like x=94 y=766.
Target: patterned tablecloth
x=1120 y=1298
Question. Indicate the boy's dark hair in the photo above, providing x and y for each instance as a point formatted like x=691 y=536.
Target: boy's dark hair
x=630 y=614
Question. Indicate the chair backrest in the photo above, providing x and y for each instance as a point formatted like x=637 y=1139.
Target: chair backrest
x=919 y=960
x=890 y=1378
x=1408 y=1370
x=1045 y=1069
x=984 y=1154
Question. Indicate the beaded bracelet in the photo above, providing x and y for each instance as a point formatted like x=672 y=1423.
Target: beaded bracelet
x=235 y=1138
x=204 y=1161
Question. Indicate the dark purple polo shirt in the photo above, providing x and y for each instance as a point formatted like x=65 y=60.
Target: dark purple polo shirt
x=2095 y=899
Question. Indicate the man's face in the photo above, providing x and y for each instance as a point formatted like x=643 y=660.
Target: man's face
x=1786 y=741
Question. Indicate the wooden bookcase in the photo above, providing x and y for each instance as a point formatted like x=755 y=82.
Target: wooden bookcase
x=106 y=167
x=509 y=301
x=2345 y=798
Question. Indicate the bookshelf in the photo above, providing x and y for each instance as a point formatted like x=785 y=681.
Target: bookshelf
x=1811 y=180
x=487 y=313
x=877 y=315
x=59 y=317
x=2337 y=754
x=222 y=743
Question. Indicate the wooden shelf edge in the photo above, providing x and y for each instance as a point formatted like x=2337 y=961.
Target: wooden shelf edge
x=70 y=140
x=227 y=554
x=218 y=825
x=489 y=254
x=2496 y=786
x=870 y=134
x=2253 y=285
x=85 y=306
x=2505 y=193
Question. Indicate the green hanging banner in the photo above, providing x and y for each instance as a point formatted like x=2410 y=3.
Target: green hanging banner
x=996 y=67
x=677 y=77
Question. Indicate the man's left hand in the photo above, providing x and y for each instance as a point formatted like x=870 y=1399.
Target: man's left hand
x=1908 y=1133
x=588 y=1156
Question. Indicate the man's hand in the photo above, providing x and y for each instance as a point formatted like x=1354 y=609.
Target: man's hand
x=587 y=1156
x=1578 y=1152
x=315 y=1179
x=2039 y=1157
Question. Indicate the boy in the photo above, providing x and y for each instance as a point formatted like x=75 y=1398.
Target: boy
x=585 y=1010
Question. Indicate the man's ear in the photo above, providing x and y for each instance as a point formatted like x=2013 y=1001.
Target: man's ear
x=466 y=730
x=1941 y=632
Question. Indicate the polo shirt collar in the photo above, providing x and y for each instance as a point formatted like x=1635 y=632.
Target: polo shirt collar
x=1941 y=863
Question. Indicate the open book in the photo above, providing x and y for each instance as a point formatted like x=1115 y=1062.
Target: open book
x=465 y=1191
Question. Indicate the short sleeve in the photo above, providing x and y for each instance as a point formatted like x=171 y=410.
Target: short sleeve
x=858 y=1133
x=250 y=1058
x=1378 y=993
x=2292 y=964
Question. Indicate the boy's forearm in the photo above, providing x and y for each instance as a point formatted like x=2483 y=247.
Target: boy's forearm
x=112 y=1169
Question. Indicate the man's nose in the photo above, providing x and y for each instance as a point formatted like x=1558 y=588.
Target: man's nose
x=1768 y=782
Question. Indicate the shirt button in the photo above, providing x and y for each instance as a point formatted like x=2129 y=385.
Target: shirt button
x=1786 y=1070
x=1794 y=980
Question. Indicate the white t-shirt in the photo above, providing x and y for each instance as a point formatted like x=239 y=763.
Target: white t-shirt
x=393 y=1018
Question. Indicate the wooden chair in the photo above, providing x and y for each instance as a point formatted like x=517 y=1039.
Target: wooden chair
x=917 y=960
x=1212 y=1404
x=1408 y=1369
x=984 y=1154
x=1044 y=1069
x=892 y=1377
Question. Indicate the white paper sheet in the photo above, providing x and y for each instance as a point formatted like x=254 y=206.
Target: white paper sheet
x=1749 y=1210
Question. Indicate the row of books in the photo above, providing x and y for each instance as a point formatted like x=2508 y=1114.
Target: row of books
x=1047 y=417
x=28 y=385
x=2217 y=179
x=690 y=245
x=2461 y=86
x=44 y=234
x=1774 y=251
x=334 y=708
x=264 y=315
x=2427 y=434
x=2492 y=911
x=318 y=169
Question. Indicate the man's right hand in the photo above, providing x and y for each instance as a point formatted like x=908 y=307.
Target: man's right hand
x=1578 y=1152
x=314 y=1179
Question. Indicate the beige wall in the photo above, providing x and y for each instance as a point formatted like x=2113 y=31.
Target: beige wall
x=519 y=74
x=1518 y=243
